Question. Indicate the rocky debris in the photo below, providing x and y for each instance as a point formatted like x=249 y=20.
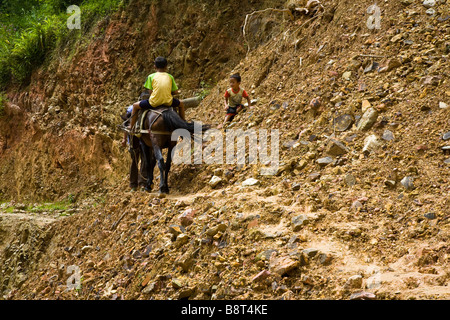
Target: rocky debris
x=408 y=183
x=250 y=182
x=214 y=182
x=363 y=296
x=311 y=252
x=387 y=135
x=393 y=64
x=299 y=221
x=446 y=136
x=325 y=259
x=314 y=176
x=282 y=265
x=354 y=282
x=443 y=105
x=261 y=276
x=324 y=161
x=187 y=217
x=336 y=148
x=347 y=75
x=429 y=3
x=430 y=215
x=350 y=180
x=365 y=105
x=343 y=122
x=368 y=119
x=371 y=143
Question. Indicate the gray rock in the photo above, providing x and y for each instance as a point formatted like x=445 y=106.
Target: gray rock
x=344 y=122
x=390 y=183
x=325 y=259
x=447 y=161
x=362 y=296
x=86 y=248
x=443 y=105
x=408 y=183
x=336 y=148
x=354 y=282
x=311 y=252
x=430 y=12
x=296 y=186
x=357 y=205
x=429 y=3
x=371 y=143
x=250 y=182
x=347 y=75
x=299 y=221
x=149 y=288
x=324 y=161
x=265 y=255
x=368 y=119
x=430 y=215
x=388 y=135
x=215 y=180
x=446 y=136
x=349 y=180
x=371 y=67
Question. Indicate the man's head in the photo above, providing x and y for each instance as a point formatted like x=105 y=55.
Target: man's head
x=160 y=63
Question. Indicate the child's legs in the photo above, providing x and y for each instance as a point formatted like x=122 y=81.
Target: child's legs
x=228 y=118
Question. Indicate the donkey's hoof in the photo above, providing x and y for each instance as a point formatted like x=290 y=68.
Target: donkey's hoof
x=164 y=190
x=148 y=189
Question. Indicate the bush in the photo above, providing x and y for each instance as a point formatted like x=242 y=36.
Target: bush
x=2 y=104
x=29 y=34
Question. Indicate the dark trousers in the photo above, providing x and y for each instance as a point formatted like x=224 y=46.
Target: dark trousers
x=138 y=171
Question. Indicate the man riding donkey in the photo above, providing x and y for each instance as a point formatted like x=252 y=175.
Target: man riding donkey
x=159 y=123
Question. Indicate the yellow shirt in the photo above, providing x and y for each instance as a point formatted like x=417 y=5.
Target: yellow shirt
x=162 y=84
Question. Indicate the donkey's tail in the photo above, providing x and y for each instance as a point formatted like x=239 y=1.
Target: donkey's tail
x=173 y=121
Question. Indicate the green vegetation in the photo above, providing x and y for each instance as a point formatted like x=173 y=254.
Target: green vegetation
x=31 y=31
x=2 y=103
x=205 y=89
x=50 y=207
x=36 y=208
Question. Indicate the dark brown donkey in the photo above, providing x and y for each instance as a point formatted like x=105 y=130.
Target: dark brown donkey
x=157 y=129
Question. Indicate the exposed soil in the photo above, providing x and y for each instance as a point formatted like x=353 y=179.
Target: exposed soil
x=372 y=220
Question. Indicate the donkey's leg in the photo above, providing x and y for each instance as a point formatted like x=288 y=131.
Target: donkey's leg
x=150 y=165
x=165 y=188
x=160 y=160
